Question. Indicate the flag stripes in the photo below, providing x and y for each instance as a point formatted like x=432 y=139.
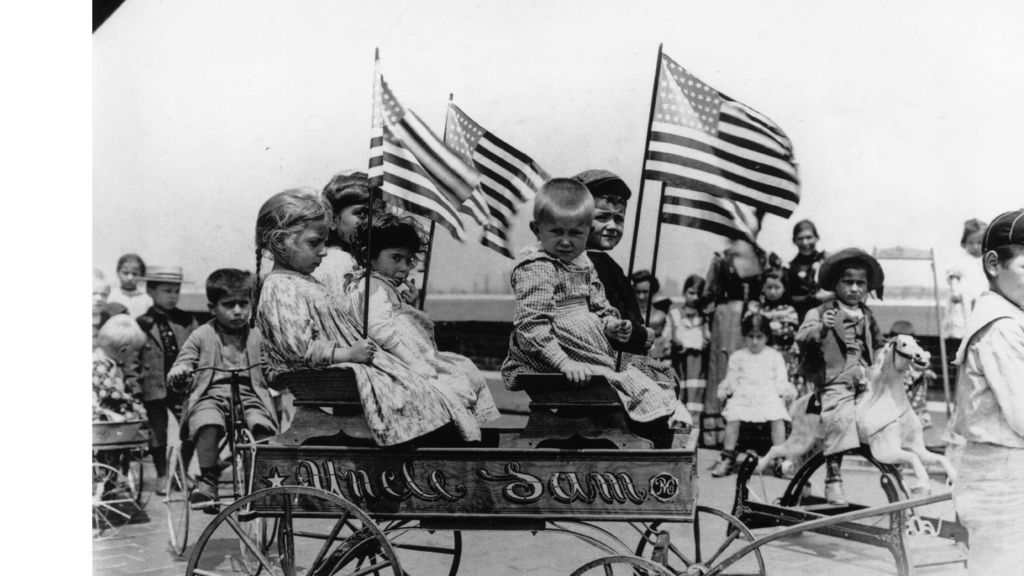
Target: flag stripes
x=708 y=212
x=508 y=177
x=413 y=169
x=703 y=141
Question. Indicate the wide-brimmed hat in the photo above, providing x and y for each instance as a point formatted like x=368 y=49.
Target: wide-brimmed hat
x=165 y=274
x=835 y=263
x=1007 y=228
x=603 y=183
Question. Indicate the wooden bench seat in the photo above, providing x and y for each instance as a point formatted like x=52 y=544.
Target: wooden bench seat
x=563 y=415
x=328 y=410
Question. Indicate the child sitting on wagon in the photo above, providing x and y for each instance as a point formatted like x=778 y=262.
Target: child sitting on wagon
x=563 y=322
x=838 y=340
x=117 y=341
x=304 y=328
x=224 y=343
x=404 y=330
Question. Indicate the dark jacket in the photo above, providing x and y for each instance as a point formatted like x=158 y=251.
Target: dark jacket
x=824 y=356
x=145 y=374
x=620 y=294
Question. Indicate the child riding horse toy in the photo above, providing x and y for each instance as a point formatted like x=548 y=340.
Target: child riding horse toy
x=886 y=423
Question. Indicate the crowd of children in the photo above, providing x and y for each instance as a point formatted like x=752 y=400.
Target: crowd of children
x=738 y=347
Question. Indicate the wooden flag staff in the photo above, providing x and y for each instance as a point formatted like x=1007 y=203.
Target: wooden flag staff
x=654 y=261
x=640 y=191
x=369 y=212
x=430 y=242
x=647 y=146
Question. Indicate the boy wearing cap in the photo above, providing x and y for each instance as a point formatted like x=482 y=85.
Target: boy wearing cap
x=610 y=197
x=838 y=340
x=989 y=495
x=166 y=329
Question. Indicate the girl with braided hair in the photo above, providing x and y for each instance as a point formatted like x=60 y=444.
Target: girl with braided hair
x=304 y=328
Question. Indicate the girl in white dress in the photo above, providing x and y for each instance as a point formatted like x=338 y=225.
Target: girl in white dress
x=756 y=388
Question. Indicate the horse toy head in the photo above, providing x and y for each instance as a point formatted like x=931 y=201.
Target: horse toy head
x=907 y=353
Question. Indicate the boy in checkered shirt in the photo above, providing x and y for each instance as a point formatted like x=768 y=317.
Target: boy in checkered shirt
x=563 y=321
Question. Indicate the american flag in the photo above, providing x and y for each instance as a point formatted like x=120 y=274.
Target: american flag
x=508 y=177
x=710 y=213
x=412 y=167
x=724 y=163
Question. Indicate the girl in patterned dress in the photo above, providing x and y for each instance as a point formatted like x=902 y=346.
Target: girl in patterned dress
x=563 y=322
x=402 y=329
x=118 y=340
x=304 y=328
x=783 y=320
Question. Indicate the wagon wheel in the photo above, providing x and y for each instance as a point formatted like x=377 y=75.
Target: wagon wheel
x=699 y=549
x=114 y=499
x=176 y=500
x=632 y=565
x=427 y=550
x=318 y=534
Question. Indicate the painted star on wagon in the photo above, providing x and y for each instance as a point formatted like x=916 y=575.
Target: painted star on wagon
x=275 y=479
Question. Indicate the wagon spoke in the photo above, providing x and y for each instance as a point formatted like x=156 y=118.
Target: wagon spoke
x=374 y=568
x=422 y=548
x=328 y=541
x=247 y=540
x=286 y=539
x=728 y=540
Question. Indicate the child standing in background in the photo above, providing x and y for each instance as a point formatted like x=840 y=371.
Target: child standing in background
x=966 y=280
x=404 y=330
x=563 y=322
x=166 y=328
x=783 y=320
x=756 y=388
x=130 y=270
x=689 y=333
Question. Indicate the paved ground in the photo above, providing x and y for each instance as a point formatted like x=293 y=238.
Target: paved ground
x=141 y=548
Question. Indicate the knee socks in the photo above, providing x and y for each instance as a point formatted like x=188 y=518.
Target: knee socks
x=832 y=465
x=207 y=439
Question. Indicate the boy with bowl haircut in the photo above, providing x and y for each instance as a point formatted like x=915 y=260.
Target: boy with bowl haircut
x=989 y=493
x=166 y=328
x=224 y=343
x=838 y=340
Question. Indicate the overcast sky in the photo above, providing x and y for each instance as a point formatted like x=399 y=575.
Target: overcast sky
x=903 y=114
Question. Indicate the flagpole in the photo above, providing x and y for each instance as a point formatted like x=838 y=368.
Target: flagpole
x=654 y=263
x=640 y=191
x=647 y=147
x=369 y=224
x=430 y=242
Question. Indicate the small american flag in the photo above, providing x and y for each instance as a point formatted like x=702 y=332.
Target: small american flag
x=718 y=157
x=508 y=177
x=412 y=167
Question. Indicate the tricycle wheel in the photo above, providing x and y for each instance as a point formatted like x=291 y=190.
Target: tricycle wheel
x=115 y=499
x=176 y=500
x=429 y=551
x=713 y=536
x=318 y=534
x=623 y=565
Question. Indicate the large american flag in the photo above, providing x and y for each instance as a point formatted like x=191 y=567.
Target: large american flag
x=508 y=178
x=724 y=163
x=412 y=167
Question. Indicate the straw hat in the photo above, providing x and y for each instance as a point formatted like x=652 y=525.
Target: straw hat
x=165 y=274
